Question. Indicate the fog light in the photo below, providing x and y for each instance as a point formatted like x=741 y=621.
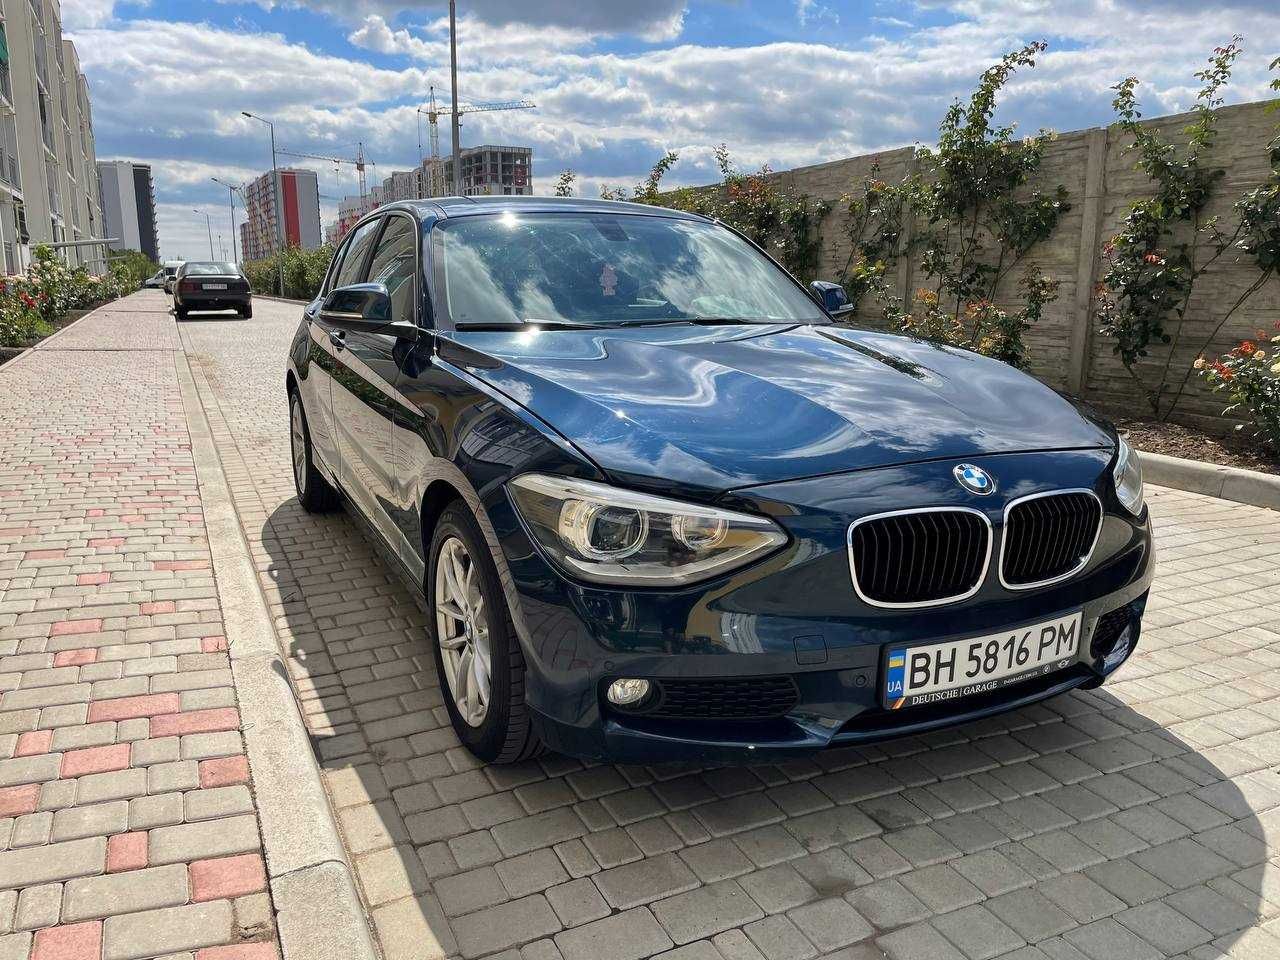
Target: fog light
x=1120 y=650
x=628 y=692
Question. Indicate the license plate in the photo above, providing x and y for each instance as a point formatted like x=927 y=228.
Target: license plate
x=947 y=671
x=215 y=286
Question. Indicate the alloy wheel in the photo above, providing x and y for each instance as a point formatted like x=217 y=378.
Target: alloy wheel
x=462 y=630
x=299 y=442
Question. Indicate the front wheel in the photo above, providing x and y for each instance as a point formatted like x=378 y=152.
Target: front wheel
x=314 y=492
x=478 y=657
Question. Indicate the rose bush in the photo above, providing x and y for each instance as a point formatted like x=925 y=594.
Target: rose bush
x=33 y=302
x=1250 y=376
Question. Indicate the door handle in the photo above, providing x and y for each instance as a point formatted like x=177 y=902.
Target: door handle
x=338 y=338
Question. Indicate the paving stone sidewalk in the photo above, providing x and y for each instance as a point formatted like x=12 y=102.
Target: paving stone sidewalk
x=127 y=821
x=1137 y=821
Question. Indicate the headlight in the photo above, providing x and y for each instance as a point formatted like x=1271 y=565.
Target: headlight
x=1128 y=477
x=608 y=535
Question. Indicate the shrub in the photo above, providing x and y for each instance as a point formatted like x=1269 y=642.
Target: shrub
x=972 y=220
x=1167 y=244
x=1250 y=376
x=304 y=272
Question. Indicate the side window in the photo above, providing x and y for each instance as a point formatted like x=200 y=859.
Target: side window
x=352 y=269
x=394 y=263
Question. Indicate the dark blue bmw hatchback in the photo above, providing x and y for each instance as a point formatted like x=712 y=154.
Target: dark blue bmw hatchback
x=661 y=507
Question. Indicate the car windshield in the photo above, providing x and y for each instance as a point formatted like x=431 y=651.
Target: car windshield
x=209 y=269
x=599 y=268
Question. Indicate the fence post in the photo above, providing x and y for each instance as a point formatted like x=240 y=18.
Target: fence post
x=1080 y=347
x=905 y=264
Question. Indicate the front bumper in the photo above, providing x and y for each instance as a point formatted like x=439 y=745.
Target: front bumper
x=795 y=615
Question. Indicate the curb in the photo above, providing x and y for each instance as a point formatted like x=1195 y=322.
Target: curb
x=318 y=911
x=271 y=296
x=1211 y=479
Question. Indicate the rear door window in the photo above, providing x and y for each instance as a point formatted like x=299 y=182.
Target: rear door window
x=352 y=269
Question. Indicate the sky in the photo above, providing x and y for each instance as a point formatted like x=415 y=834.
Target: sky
x=615 y=82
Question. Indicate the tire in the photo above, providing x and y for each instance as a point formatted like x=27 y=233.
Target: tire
x=181 y=312
x=504 y=733
x=246 y=313
x=314 y=492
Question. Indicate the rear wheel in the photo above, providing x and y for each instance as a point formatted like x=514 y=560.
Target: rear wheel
x=247 y=312
x=181 y=312
x=314 y=492
x=478 y=657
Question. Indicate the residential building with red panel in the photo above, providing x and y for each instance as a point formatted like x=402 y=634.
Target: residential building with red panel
x=281 y=208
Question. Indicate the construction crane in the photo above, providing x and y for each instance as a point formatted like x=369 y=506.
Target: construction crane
x=434 y=113
x=358 y=161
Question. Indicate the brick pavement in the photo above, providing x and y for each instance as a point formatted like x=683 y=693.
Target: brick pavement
x=1131 y=822
x=127 y=821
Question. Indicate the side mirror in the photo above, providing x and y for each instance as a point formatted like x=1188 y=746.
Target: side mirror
x=365 y=308
x=831 y=296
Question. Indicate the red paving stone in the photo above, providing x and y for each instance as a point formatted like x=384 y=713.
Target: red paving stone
x=92 y=579
x=67 y=627
x=33 y=742
x=75 y=658
x=195 y=721
x=15 y=801
x=227 y=877
x=79 y=763
x=79 y=941
x=106 y=541
x=158 y=606
x=213 y=644
x=44 y=554
x=127 y=708
x=224 y=772
x=127 y=851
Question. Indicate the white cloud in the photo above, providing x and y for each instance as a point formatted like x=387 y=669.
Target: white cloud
x=170 y=92
x=78 y=14
x=652 y=19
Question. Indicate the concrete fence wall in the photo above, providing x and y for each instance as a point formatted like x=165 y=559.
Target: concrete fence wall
x=1101 y=181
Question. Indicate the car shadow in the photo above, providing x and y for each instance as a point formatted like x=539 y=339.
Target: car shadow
x=1081 y=821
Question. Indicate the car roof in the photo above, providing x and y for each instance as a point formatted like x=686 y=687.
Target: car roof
x=448 y=207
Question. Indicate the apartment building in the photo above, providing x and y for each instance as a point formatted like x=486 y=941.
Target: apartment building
x=281 y=206
x=49 y=190
x=487 y=170
x=129 y=206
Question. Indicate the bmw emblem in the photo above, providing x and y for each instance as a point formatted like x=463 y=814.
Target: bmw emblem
x=974 y=479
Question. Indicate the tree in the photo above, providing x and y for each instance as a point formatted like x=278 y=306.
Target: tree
x=564 y=184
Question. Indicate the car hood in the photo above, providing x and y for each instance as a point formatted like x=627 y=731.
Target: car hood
x=731 y=406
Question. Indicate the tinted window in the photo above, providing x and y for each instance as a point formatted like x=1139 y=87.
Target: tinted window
x=201 y=269
x=394 y=264
x=609 y=268
x=352 y=269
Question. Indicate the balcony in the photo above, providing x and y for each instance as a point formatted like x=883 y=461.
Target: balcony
x=42 y=60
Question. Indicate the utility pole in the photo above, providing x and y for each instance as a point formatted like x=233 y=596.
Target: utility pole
x=231 y=198
x=208 y=226
x=276 y=199
x=453 y=72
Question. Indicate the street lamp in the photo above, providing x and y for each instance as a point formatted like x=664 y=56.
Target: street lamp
x=275 y=196
x=232 y=190
x=453 y=71
x=208 y=226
